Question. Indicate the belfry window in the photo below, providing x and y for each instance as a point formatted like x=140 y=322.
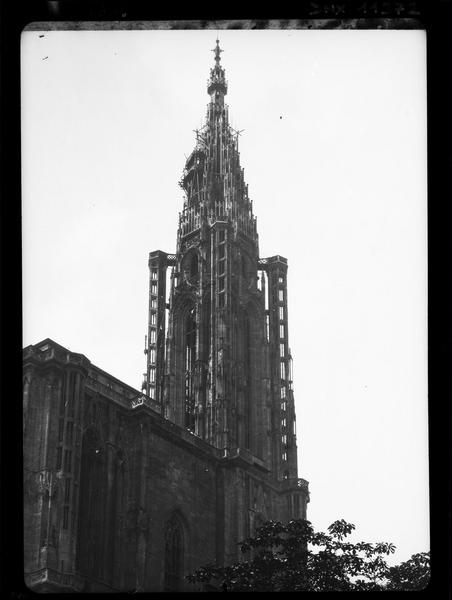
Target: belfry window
x=190 y=357
x=283 y=371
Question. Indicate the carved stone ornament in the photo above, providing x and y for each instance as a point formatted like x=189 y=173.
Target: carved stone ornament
x=48 y=481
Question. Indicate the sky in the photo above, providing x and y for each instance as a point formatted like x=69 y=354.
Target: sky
x=334 y=152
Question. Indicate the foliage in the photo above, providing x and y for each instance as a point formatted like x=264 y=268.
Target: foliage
x=293 y=557
x=414 y=574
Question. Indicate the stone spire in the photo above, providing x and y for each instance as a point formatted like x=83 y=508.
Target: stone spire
x=217 y=86
x=213 y=180
x=217 y=51
x=223 y=369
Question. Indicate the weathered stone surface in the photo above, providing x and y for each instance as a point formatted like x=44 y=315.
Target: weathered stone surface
x=146 y=469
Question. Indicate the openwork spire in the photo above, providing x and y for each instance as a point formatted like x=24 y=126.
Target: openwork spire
x=213 y=180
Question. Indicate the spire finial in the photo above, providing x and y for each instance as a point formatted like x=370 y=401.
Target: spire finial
x=217 y=51
x=217 y=82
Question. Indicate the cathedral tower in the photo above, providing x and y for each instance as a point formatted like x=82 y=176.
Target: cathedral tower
x=131 y=491
x=218 y=359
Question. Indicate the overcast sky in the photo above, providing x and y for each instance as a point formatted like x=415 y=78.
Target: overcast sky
x=334 y=152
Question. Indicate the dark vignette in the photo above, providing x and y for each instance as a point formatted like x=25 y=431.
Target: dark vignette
x=435 y=17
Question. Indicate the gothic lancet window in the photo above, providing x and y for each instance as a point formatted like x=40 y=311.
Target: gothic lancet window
x=248 y=379
x=245 y=380
x=91 y=551
x=193 y=266
x=190 y=268
x=174 y=555
x=190 y=357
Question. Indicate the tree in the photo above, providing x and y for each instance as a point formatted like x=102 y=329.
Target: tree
x=413 y=574
x=293 y=557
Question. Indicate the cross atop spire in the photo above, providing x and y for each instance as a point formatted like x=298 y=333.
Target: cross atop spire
x=217 y=51
x=217 y=82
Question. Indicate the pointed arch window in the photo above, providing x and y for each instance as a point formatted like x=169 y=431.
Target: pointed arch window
x=174 y=555
x=91 y=554
x=190 y=267
x=152 y=355
x=190 y=357
x=245 y=335
x=194 y=266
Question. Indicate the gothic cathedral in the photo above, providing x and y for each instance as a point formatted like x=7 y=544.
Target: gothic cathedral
x=130 y=491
